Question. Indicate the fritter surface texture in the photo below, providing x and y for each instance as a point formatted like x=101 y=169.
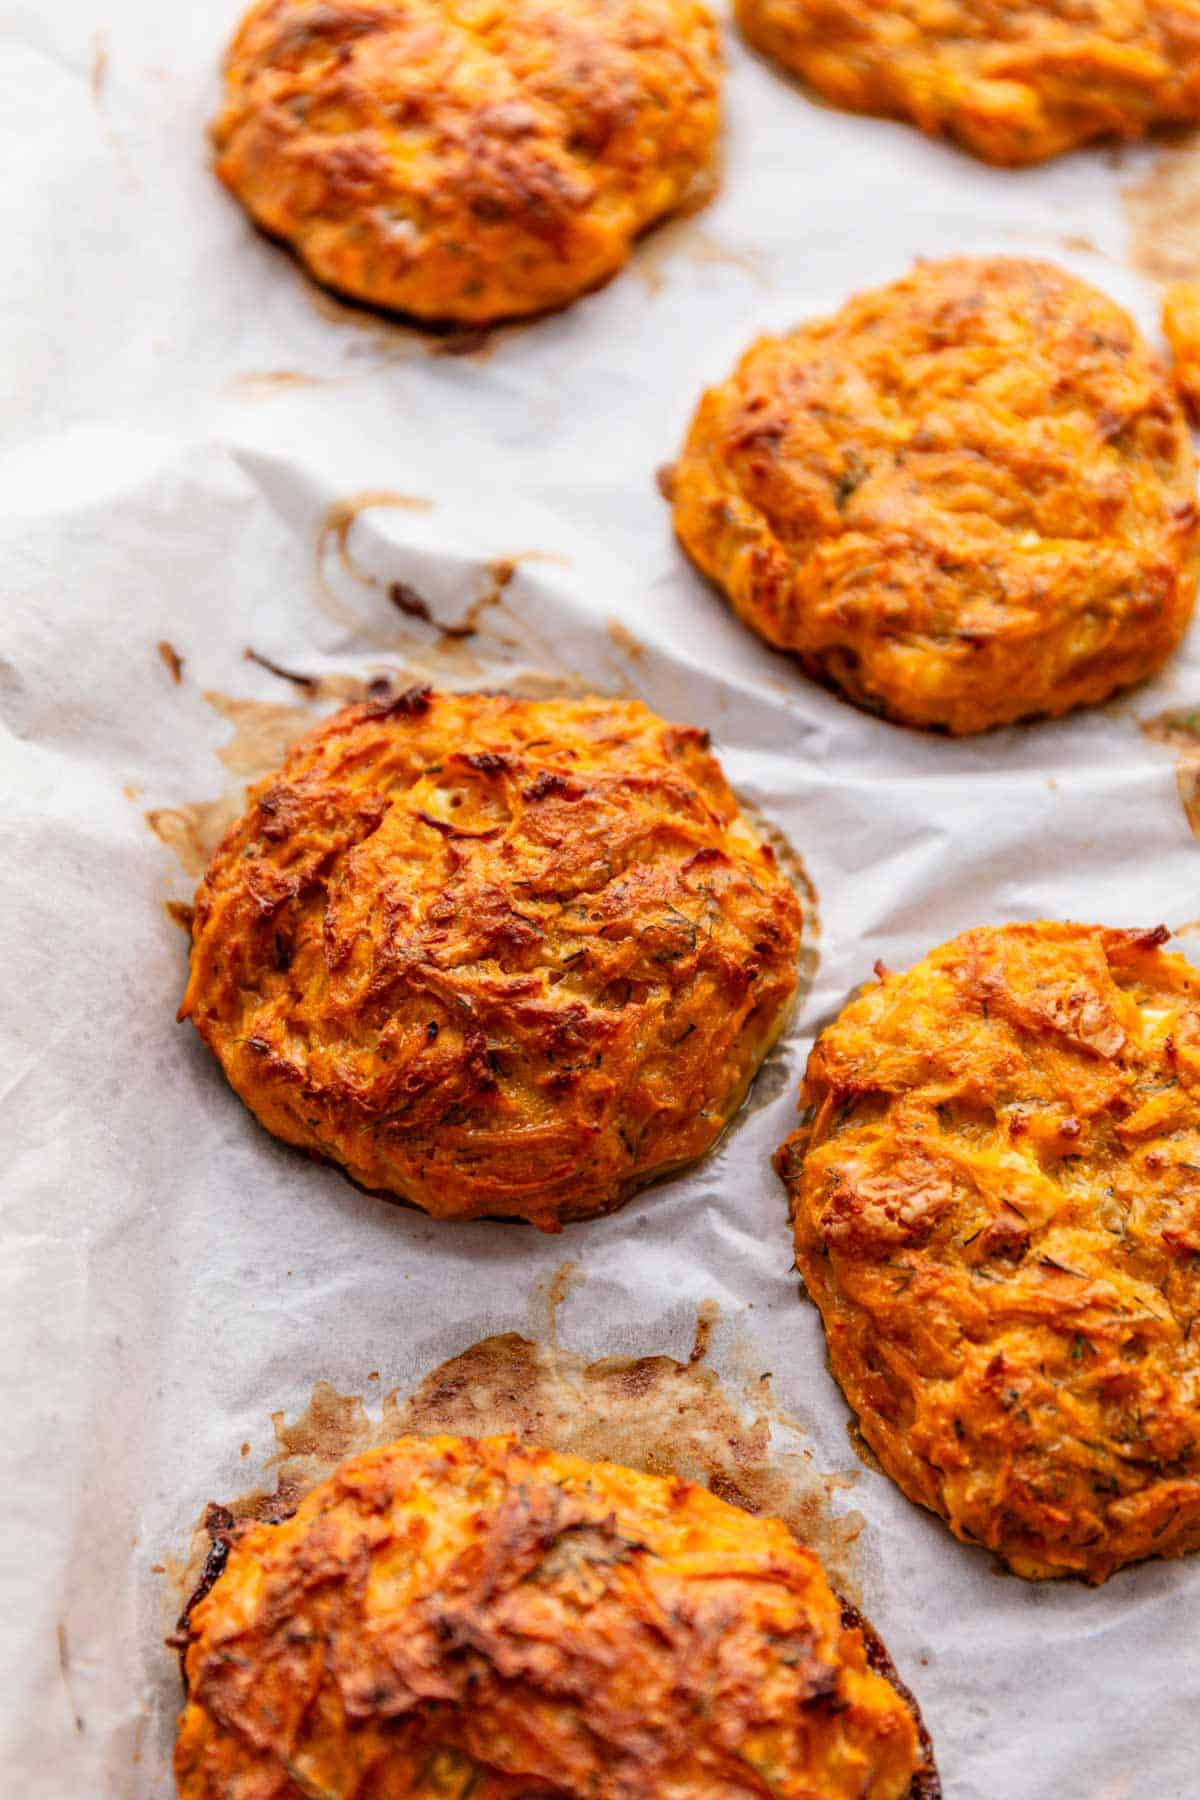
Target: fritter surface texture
x=996 y=1204
x=1015 y=83
x=468 y=160
x=1181 y=328
x=449 y=1616
x=495 y=956
x=965 y=499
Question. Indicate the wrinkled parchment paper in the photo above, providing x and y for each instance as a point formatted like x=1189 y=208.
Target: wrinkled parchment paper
x=188 y=435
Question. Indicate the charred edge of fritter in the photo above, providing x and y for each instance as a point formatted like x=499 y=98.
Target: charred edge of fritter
x=391 y=1197
x=221 y=1526
x=447 y=333
x=834 y=671
x=561 y=1216
x=926 y=1783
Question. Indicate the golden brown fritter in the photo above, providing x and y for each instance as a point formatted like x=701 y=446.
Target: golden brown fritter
x=996 y=1203
x=965 y=499
x=495 y=956
x=468 y=160
x=1181 y=327
x=451 y=1615
x=1013 y=82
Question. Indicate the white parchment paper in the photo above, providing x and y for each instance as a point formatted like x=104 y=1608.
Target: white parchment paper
x=181 y=412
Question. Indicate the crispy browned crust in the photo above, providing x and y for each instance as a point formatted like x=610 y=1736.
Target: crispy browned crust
x=495 y=956
x=448 y=1615
x=468 y=162
x=926 y=1782
x=1014 y=82
x=996 y=1206
x=966 y=499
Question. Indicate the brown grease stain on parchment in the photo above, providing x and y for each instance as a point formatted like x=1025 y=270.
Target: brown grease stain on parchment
x=412 y=603
x=1179 y=730
x=439 y=649
x=1162 y=211
x=445 y=643
x=394 y=337
x=64 y=1669
x=259 y=383
x=708 y=1315
x=322 y=687
x=192 y=831
x=99 y=70
x=376 y=334
x=333 y=536
x=171 y=660
x=680 y=235
x=652 y=1413
x=683 y=238
x=263 y=731
x=549 y=1295
x=622 y=639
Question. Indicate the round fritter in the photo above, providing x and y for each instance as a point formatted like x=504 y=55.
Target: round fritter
x=1014 y=82
x=996 y=1204
x=495 y=956
x=965 y=499
x=468 y=160
x=450 y=1615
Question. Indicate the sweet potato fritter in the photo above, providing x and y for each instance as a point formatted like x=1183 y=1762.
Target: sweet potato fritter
x=468 y=160
x=1016 y=83
x=966 y=499
x=996 y=1204
x=495 y=956
x=451 y=1615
